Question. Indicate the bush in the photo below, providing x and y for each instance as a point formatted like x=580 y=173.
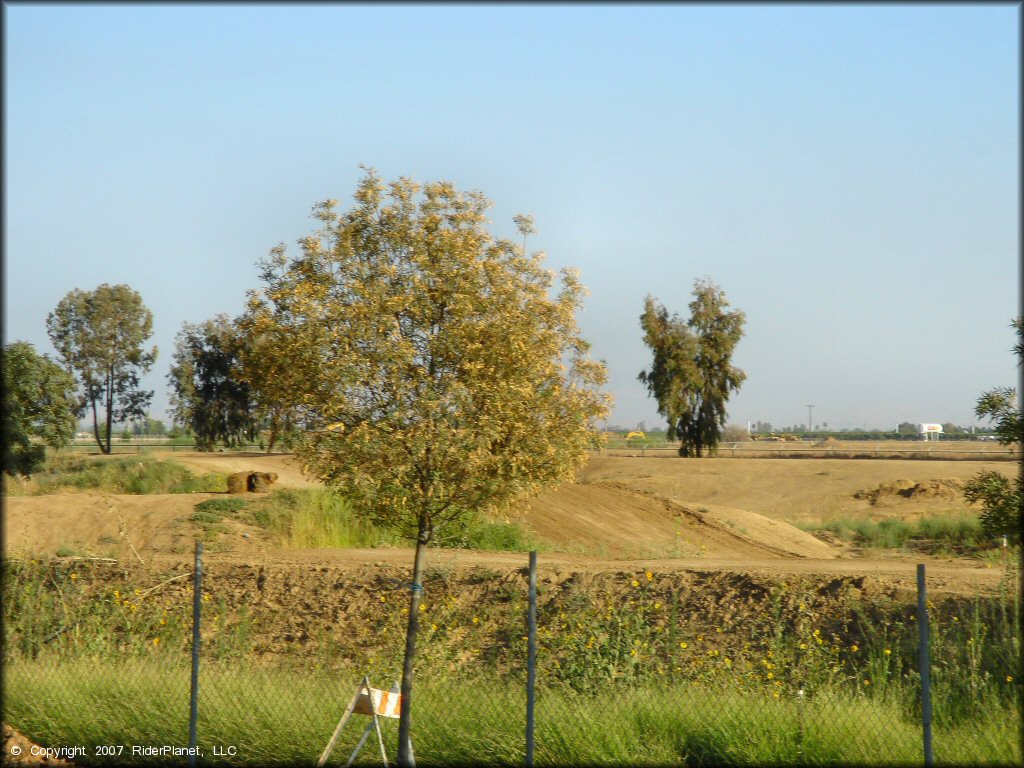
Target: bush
x=487 y=535
x=1001 y=503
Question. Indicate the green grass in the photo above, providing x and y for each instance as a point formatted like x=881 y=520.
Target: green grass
x=284 y=716
x=319 y=518
x=938 y=533
x=221 y=507
x=483 y=534
x=134 y=475
x=625 y=677
x=314 y=518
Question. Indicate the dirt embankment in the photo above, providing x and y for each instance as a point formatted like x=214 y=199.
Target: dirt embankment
x=621 y=513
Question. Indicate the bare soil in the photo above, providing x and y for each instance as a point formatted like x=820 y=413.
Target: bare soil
x=621 y=514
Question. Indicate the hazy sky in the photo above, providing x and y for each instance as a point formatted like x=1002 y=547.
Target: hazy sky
x=849 y=175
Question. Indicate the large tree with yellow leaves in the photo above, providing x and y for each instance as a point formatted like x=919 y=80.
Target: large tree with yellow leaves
x=439 y=370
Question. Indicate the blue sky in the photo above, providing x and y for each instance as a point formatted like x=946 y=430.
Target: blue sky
x=849 y=175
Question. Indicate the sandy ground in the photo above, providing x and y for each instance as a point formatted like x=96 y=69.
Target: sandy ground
x=791 y=490
x=622 y=513
x=285 y=465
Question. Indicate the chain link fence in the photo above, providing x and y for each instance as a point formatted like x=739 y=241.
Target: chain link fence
x=633 y=668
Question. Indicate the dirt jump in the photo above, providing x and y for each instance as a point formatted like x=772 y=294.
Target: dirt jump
x=621 y=513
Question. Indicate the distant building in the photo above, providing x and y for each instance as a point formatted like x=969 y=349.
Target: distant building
x=929 y=431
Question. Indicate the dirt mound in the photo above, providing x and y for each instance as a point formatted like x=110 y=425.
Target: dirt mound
x=285 y=466
x=828 y=442
x=121 y=526
x=948 y=488
x=615 y=520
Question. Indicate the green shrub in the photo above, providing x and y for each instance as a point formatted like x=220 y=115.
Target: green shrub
x=1001 y=502
x=487 y=535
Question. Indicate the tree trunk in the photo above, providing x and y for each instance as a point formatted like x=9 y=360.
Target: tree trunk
x=272 y=437
x=96 y=424
x=110 y=408
x=405 y=756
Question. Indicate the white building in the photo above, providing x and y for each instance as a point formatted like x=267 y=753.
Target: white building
x=929 y=431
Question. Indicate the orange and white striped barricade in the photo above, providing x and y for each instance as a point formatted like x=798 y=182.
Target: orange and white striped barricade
x=371 y=702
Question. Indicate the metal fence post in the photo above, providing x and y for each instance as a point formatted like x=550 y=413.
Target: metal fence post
x=925 y=666
x=193 y=707
x=531 y=658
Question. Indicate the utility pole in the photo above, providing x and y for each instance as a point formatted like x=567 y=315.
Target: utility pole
x=809 y=421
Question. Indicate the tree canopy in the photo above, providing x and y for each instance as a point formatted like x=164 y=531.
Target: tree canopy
x=451 y=381
x=39 y=406
x=207 y=394
x=99 y=336
x=691 y=375
x=1001 y=498
x=435 y=371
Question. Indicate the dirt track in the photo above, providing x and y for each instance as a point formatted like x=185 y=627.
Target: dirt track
x=621 y=514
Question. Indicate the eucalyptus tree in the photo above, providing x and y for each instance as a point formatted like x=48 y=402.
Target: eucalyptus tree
x=99 y=337
x=691 y=374
x=207 y=394
x=439 y=370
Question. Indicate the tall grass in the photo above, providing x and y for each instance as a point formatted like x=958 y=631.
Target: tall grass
x=314 y=518
x=961 y=531
x=319 y=518
x=284 y=716
x=632 y=668
x=134 y=475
